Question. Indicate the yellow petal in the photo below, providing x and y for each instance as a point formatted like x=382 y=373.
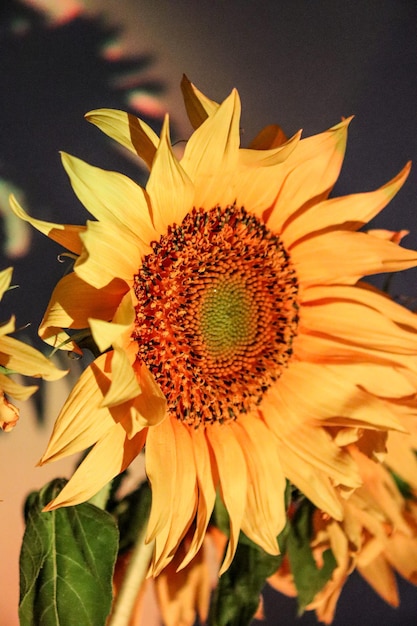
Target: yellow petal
x=268 y=158
x=347 y=212
x=5 y=279
x=312 y=445
x=204 y=463
x=26 y=360
x=111 y=197
x=309 y=173
x=211 y=155
x=359 y=325
x=16 y=390
x=314 y=483
x=265 y=514
x=82 y=421
x=128 y=130
x=122 y=261
x=233 y=478
x=150 y=406
x=298 y=397
x=8 y=327
x=345 y=257
x=109 y=457
x=255 y=181
x=269 y=137
x=366 y=295
x=74 y=301
x=380 y=380
x=169 y=188
x=325 y=349
x=197 y=105
x=106 y=334
x=161 y=469
x=185 y=498
x=124 y=384
x=66 y=235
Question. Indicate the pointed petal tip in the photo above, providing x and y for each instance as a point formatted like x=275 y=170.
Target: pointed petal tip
x=93 y=112
x=51 y=506
x=165 y=134
x=185 y=81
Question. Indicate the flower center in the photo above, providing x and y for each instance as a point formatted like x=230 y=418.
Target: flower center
x=216 y=313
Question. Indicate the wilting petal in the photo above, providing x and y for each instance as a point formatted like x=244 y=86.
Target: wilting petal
x=9 y=414
x=381 y=577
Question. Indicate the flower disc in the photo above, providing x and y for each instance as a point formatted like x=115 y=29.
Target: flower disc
x=217 y=305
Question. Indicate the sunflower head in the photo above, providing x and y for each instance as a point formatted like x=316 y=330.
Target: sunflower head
x=235 y=338
x=223 y=295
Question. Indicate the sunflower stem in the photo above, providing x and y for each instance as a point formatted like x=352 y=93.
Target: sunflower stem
x=134 y=577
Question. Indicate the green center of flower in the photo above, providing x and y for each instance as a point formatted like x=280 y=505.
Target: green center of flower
x=216 y=313
x=228 y=318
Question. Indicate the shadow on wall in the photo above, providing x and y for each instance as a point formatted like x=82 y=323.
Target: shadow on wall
x=50 y=76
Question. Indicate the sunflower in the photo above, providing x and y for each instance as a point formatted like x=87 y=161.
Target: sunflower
x=17 y=357
x=235 y=339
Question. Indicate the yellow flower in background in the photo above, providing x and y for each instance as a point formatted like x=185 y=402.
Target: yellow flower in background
x=377 y=536
x=236 y=340
x=17 y=357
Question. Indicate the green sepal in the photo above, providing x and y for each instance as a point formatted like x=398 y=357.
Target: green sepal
x=66 y=563
x=308 y=578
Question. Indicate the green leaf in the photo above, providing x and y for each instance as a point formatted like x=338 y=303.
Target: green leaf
x=237 y=594
x=403 y=487
x=308 y=578
x=66 y=563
